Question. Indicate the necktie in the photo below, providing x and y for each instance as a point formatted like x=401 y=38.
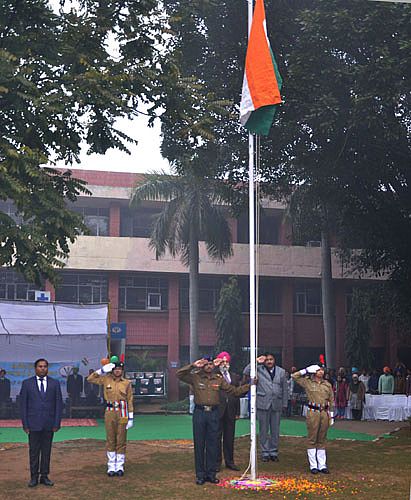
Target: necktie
x=226 y=377
x=42 y=386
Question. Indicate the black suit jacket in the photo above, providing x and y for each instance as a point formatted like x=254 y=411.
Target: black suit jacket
x=38 y=412
x=230 y=405
x=4 y=390
x=74 y=385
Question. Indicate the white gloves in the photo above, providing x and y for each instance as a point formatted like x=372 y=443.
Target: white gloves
x=108 y=367
x=331 y=418
x=313 y=368
x=130 y=422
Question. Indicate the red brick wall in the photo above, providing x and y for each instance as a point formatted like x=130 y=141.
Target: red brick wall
x=145 y=328
x=114 y=227
x=308 y=331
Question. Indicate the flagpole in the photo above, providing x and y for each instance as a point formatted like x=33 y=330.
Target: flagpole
x=253 y=352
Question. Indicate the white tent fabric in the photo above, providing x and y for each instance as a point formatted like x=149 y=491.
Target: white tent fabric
x=67 y=335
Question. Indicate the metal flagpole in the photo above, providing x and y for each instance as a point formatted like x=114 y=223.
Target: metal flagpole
x=253 y=352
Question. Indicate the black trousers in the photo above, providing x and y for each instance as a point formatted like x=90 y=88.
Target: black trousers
x=205 y=432
x=40 y=452
x=356 y=414
x=226 y=439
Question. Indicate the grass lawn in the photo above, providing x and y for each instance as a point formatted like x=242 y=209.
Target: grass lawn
x=164 y=469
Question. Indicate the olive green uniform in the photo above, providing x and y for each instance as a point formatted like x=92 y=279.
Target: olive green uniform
x=206 y=389
x=116 y=393
x=319 y=413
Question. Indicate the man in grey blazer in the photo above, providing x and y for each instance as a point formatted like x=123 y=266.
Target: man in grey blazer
x=272 y=397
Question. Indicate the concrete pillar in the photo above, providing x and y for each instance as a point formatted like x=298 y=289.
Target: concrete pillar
x=288 y=324
x=113 y=282
x=173 y=352
x=114 y=224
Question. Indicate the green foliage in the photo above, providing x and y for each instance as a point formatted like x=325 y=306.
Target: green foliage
x=60 y=85
x=142 y=361
x=229 y=321
x=358 y=330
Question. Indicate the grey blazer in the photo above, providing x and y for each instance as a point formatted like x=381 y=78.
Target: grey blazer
x=270 y=393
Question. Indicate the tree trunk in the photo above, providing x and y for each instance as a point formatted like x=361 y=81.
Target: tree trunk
x=328 y=302
x=193 y=292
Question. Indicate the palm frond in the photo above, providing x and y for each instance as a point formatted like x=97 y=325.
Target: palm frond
x=158 y=187
x=215 y=231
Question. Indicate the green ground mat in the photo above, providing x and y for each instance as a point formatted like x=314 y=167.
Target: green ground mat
x=160 y=427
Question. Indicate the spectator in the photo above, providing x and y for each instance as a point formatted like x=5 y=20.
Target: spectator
x=364 y=378
x=373 y=382
x=4 y=387
x=74 y=386
x=399 y=383
x=341 y=396
x=327 y=377
x=386 y=382
x=333 y=376
x=91 y=391
x=299 y=396
x=408 y=383
x=401 y=369
x=356 y=396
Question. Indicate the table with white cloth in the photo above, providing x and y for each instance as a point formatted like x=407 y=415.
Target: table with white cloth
x=393 y=407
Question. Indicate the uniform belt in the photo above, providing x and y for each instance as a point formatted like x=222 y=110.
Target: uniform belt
x=317 y=406
x=206 y=407
x=114 y=404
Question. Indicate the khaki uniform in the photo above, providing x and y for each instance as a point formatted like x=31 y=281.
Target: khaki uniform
x=206 y=388
x=116 y=393
x=206 y=421
x=322 y=396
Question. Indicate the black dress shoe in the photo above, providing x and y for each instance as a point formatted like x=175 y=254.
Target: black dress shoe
x=325 y=471
x=218 y=468
x=213 y=480
x=200 y=482
x=120 y=473
x=232 y=467
x=274 y=458
x=33 y=482
x=265 y=459
x=314 y=471
x=111 y=473
x=46 y=481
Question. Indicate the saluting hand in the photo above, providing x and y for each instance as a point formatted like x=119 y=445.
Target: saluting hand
x=217 y=361
x=261 y=359
x=200 y=363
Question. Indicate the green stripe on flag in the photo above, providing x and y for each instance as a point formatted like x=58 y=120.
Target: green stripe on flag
x=261 y=120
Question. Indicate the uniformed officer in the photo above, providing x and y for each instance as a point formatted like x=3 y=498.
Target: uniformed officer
x=206 y=385
x=320 y=414
x=118 y=417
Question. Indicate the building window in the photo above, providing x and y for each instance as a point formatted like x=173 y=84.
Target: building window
x=8 y=208
x=13 y=286
x=143 y=293
x=308 y=299
x=96 y=219
x=269 y=228
x=137 y=223
x=209 y=293
x=269 y=295
x=79 y=288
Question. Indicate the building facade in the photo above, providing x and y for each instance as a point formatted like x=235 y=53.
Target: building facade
x=115 y=264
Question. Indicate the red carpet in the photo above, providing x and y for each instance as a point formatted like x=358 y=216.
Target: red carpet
x=66 y=422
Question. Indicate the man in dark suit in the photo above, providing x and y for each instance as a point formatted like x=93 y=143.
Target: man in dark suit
x=4 y=387
x=41 y=405
x=229 y=411
x=74 y=386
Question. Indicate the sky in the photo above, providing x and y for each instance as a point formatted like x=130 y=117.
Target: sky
x=144 y=157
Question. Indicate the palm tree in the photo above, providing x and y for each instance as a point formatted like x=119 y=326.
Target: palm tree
x=192 y=213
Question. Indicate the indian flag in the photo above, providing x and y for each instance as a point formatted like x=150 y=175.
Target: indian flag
x=262 y=80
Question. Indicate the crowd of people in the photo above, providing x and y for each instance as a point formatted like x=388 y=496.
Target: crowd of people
x=350 y=385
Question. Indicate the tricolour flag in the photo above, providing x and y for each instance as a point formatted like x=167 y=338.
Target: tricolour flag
x=262 y=80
